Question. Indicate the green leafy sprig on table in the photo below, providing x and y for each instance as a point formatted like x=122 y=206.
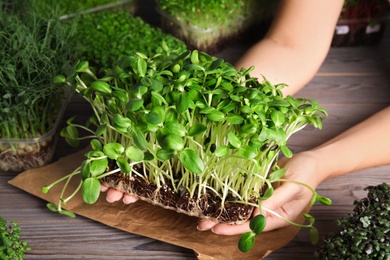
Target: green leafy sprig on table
x=105 y=37
x=192 y=121
x=11 y=247
x=33 y=52
x=365 y=233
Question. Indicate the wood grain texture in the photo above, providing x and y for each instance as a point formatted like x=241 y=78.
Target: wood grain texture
x=352 y=84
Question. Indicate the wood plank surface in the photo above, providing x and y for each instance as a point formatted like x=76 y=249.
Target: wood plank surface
x=352 y=84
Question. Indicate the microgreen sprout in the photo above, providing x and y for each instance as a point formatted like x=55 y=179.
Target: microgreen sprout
x=190 y=122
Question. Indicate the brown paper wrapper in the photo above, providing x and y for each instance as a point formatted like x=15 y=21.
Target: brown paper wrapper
x=145 y=219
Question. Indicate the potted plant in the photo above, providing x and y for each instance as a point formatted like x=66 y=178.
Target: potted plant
x=11 y=246
x=31 y=105
x=361 y=22
x=365 y=233
x=105 y=37
x=209 y=25
x=188 y=133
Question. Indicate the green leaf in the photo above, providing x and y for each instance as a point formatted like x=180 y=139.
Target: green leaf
x=158 y=98
x=234 y=119
x=278 y=118
x=135 y=104
x=324 y=200
x=134 y=153
x=67 y=213
x=313 y=235
x=153 y=118
x=97 y=167
x=52 y=207
x=101 y=86
x=59 y=79
x=191 y=161
x=96 y=145
x=113 y=150
x=141 y=67
x=249 y=129
x=85 y=170
x=216 y=116
x=309 y=218
x=234 y=140
x=215 y=64
x=91 y=190
x=268 y=193
x=101 y=129
x=182 y=103
x=194 y=57
x=123 y=164
x=276 y=175
x=176 y=128
x=257 y=224
x=82 y=66
x=246 y=242
x=221 y=151
x=173 y=142
x=196 y=130
x=286 y=151
x=164 y=154
x=248 y=152
x=156 y=85
x=139 y=139
x=121 y=123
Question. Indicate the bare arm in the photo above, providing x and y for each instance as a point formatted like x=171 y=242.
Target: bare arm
x=362 y=146
x=296 y=44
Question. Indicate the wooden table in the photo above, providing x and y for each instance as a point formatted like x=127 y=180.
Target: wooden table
x=352 y=84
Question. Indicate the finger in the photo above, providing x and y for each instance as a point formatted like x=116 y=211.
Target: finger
x=128 y=199
x=283 y=195
x=230 y=230
x=205 y=224
x=103 y=188
x=286 y=203
x=113 y=195
x=274 y=222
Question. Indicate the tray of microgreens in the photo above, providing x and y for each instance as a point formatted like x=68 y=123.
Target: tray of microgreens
x=187 y=132
x=33 y=52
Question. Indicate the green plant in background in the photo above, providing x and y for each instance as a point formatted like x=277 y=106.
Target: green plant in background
x=11 y=247
x=209 y=25
x=365 y=233
x=209 y=14
x=105 y=37
x=33 y=50
x=191 y=124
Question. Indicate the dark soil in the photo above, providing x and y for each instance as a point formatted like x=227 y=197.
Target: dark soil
x=208 y=206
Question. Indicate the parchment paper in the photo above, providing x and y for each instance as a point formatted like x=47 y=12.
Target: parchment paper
x=145 y=219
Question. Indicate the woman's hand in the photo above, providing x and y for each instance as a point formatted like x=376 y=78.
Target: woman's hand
x=288 y=200
x=115 y=195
